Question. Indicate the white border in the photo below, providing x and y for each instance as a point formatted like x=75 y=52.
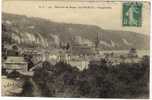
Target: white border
x=48 y=98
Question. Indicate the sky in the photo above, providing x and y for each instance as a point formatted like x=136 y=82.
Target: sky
x=103 y=14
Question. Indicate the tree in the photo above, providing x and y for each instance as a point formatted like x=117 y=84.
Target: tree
x=132 y=52
x=28 y=59
x=15 y=49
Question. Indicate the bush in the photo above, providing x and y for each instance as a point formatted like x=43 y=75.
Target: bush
x=117 y=81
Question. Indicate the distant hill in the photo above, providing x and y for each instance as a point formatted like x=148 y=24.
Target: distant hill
x=27 y=31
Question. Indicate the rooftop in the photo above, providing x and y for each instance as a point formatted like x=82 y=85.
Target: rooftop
x=15 y=59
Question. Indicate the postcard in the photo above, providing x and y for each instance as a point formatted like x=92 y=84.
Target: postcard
x=76 y=49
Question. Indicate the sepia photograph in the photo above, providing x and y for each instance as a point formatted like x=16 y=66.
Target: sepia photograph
x=75 y=49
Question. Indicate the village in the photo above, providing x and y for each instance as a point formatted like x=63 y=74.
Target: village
x=25 y=61
x=76 y=54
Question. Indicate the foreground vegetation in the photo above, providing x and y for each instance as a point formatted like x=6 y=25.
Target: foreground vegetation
x=98 y=81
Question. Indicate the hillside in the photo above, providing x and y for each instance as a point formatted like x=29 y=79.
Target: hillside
x=27 y=31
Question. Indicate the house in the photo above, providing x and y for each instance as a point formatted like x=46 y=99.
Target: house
x=15 y=63
x=80 y=64
x=82 y=50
